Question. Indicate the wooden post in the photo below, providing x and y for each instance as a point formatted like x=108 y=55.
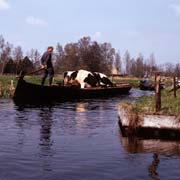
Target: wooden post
x=0 y=89
x=12 y=88
x=158 y=91
x=174 y=85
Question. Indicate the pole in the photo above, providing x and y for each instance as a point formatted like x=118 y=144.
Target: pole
x=0 y=89
x=158 y=91
x=174 y=86
x=22 y=74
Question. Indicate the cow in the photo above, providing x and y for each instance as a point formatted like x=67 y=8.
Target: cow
x=67 y=77
x=86 y=79
x=83 y=77
x=103 y=80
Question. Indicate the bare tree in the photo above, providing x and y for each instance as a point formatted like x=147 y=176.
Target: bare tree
x=108 y=57
x=118 y=62
x=169 y=69
x=177 y=70
x=17 y=56
x=59 y=58
x=139 y=66
x=5 y=53
x=152 y=64
x=127 y=61
x=34 y=55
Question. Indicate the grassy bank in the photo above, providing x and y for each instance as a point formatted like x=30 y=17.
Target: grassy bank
x=169 y=104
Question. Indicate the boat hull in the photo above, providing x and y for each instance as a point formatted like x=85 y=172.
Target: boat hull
x=28 y=92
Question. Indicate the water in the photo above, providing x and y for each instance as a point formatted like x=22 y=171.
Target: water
x=79 y=141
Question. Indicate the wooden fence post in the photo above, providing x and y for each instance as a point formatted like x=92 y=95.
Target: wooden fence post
x=0 y=89
x=158 y=91
x=12 y=88
x=174 y=85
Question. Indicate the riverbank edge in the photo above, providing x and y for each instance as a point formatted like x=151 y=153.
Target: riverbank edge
x=133 y=123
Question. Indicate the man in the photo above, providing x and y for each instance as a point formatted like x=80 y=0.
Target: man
x=46 y=62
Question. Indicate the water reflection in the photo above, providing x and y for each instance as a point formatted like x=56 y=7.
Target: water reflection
x=164 y=147
x=21 y=120
x=134 y=145
x=153 y=167
x=81 y=107
x=46 y=121
x=37 y=123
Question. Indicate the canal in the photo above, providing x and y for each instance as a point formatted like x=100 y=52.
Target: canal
x=79 y=141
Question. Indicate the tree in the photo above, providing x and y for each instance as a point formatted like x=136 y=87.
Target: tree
x=59 y=58
x=17 y=56
x=108 y=56
x=152 y=64
x=2 y=42
x=10 y=67
x=177 y=70
x=139 y=66
x=118 y=62
x=70 y=60
x=169 y=69
x=35 y=57
x=26 y=65
x=5 y=52
x=17 y=53
x=84 y=52
x=95 y=57
x=127 y=61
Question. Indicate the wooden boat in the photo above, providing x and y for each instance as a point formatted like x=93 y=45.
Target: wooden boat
x=26 y=92
x=146 y=86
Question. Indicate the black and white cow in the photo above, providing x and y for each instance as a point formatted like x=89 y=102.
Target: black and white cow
x=83 y=77
x=103 y=80
x=67 y=77
x=86 y=79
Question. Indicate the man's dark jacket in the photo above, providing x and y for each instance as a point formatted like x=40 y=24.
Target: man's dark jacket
x=47 y=59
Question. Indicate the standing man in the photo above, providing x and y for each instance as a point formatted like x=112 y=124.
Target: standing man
x=46 y=62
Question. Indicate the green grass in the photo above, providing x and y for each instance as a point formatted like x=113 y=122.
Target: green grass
x=169 y=104
x=134 y=82
x=5 y=84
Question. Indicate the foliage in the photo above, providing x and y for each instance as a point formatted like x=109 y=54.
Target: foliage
x=84 y=54
x=14 y=67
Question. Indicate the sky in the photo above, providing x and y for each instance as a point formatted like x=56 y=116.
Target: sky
x=139 y=26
